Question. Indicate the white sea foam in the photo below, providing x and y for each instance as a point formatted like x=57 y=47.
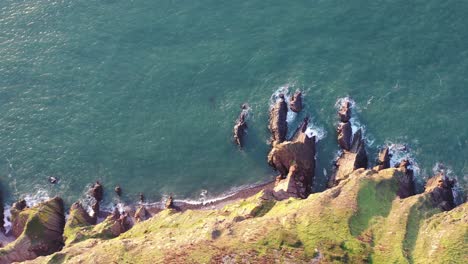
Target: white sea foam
x=400 y=152
x=39 y=196
x=315 y=130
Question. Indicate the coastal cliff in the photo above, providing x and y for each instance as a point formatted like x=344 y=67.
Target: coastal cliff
x=360 y=220
x=365 y=216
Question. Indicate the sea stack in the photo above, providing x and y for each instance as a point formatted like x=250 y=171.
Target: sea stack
x=296 y=102
x=277 y=124
x=241 y=126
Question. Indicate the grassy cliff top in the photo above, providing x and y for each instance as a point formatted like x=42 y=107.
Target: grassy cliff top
x=359 y=221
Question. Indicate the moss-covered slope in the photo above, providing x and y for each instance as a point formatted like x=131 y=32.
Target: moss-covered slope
x=359 y=221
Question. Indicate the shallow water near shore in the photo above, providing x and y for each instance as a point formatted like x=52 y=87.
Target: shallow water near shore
x=145 y=93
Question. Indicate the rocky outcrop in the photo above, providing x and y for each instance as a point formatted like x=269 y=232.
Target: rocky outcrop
x=440 y=188
x=17 y=221
x=406 y=186
x=78 y=219
x=296 y=102
x=344 y=135
x=344 y=112
x=141 y=214
x=383 y=161
x=169 y=203
x=41 y=235
x=97 y=193
x=295 y=161
x=277 y=123
x=350 y=161
x=241 y=126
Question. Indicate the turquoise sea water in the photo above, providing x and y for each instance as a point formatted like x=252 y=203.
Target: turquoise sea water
x=145 y=93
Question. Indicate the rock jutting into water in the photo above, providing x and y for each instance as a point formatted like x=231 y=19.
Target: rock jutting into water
x=406 y=186
x=296 y=102
x=353 y=155
x=169 y=203
x=441 y=189
x=295 y=161
x=277 y=123
x=40 y=231
x=240 y=126
x=383 y=161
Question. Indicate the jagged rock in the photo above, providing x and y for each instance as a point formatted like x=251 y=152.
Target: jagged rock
x=141 y=198
x=406 y=186
x=383 y=162
x=278 y=125
x=97 y=191
x=169 y=203
x=345 y=112
x=292 y=186
x=17 y=222
x=344 y=135
x=78 y=216
x=141 y=214
x=296 y=102
x=77 y=220
x=440 y=189
x=240 y=126
x=350 y=161
x=299 y=153
x=42 y=232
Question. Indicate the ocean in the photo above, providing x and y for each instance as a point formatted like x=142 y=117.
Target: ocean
x=145 y=94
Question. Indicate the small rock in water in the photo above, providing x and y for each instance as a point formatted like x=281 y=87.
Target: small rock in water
x=142 y=198
x=53 y=180
x=118 y=190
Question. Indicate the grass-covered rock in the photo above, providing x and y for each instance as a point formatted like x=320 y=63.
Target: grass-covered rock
x=362 y=220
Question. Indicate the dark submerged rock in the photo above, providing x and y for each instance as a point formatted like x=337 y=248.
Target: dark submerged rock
x=296 y=102
x=278 y=125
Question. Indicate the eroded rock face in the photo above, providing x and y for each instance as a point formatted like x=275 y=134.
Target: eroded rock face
x=141 y=214
x=278 y=125
x=17 y=222
x=350 y=161
x=383 y=161
x=42 y=232
x=97 y=191
x=295 y=161
x=240 y=127
x=440 y=188
x=169 y=203
x=296 y=102
x=345 y=112
x=79 y=216
x=406 y=186
x=344 y=135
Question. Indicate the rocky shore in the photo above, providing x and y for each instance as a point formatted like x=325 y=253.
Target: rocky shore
x=370 y=213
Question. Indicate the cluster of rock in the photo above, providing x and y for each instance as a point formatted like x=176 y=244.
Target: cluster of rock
x=294 y=159
x=353 y=150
